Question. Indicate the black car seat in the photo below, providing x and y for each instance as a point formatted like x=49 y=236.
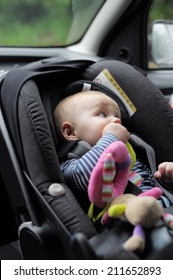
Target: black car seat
x=49 y=217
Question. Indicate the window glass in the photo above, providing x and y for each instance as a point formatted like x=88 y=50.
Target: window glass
x=45 y=22
x=160 y=34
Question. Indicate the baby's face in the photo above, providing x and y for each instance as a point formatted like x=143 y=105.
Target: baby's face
x=94 y=112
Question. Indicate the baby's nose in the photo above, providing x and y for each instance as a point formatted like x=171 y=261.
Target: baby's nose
x=116 y=120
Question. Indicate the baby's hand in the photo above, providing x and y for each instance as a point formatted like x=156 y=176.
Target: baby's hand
x=165 y=170
x=118 y=130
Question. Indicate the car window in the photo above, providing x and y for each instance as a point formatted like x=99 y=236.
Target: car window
x=45 y=22
x=160 y=34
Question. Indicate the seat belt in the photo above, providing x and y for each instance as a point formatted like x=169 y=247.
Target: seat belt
x=152 y=161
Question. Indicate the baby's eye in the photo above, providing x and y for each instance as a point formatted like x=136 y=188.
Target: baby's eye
x=103 y=115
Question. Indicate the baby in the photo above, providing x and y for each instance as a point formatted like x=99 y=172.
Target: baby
x=94 y=118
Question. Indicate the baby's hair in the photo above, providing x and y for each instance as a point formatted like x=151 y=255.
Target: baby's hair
x=66 y=108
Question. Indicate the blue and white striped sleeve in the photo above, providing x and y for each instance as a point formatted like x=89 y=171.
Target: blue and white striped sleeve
x=77 y=171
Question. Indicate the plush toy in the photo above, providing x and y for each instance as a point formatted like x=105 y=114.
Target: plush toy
x=142 y=211
x=110 y=176
x=106 y=190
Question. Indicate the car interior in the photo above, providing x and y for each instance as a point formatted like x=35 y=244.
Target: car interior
x=37 y=224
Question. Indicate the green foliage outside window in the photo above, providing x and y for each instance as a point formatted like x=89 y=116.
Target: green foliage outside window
x=34 y=22
x=161 y=9
x=45 y=22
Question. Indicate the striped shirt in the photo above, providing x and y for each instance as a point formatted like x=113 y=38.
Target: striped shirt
x=77 y=171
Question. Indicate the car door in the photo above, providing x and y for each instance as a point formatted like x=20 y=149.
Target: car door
x=143 y=36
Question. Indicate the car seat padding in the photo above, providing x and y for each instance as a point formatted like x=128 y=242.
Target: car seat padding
x=38 y=148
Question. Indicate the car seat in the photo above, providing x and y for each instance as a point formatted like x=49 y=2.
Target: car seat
x=52 y=223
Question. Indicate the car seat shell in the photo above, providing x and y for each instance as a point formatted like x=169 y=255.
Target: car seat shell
x=27 y=113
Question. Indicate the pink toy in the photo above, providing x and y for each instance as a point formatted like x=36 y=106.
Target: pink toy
x=110 y=176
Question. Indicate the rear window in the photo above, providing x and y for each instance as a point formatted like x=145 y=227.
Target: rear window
x=45 y=22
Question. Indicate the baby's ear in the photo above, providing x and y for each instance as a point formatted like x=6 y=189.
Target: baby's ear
x=68 y=131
